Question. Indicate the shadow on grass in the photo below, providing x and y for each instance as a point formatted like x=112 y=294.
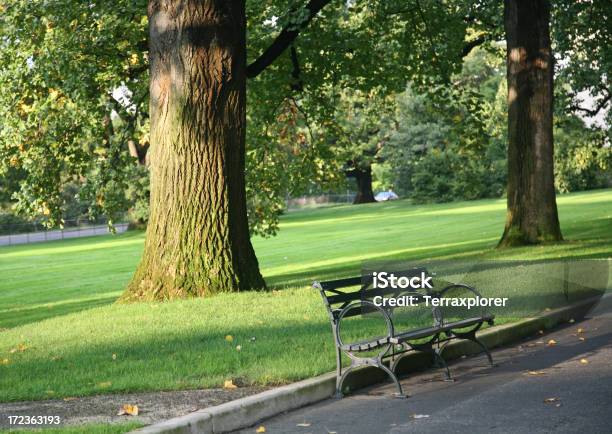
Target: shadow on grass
x=190 y=358
x=21 y=316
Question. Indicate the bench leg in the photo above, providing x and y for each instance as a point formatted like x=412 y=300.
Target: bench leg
x=400 y=392
x=441 y=363
x=339 y=375
x=438 y=360
x=472 y=337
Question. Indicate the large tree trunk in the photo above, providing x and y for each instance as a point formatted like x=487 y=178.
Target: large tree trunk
x=363 y=176
x=197 y=241
x=532 y=207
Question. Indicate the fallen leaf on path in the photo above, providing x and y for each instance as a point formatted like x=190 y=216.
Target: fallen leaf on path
x=128 y=410
x=581 y=330
x=584 y=361
x=261 y=429
x=419 y=416
x=535 y=373
x=229 y=384
x=551 y=400
x=581 y=338
x=303 y=424
x=69 y=398
x=551 y=343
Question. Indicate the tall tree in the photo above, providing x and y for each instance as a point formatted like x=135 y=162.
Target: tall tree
x=197 y=239
x=532 y=207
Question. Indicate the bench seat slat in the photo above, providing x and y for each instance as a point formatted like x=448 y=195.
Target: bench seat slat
x=366 y=345
x=370 y=344
x=430 y=331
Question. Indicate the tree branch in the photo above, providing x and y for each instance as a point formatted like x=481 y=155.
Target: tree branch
x=596 y=110
x=470 y=45
x=296 y=84
x=284 y=39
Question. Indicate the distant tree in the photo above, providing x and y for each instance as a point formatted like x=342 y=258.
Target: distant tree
x=532 y=208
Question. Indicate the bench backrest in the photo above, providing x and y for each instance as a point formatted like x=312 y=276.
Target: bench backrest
x=337 y=294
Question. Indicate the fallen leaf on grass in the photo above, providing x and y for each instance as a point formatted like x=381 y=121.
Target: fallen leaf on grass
x=305 y=424
x=229 y=338
x=5 y=362
x=535 y=373
x=105 y=384
x=128 y=410
x=419 y=416
x=238 y=347
x=229 y=384
x=552 y=400
x=114 y=356
x=21 y=348
x=551 y=343
x=584 y=361
x=261 y=429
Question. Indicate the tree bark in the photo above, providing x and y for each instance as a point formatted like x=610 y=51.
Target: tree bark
x=532 y=208
x=363 y=176
x=197 y=241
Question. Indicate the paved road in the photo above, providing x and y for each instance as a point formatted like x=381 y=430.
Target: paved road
x=510 y=398
x=36 y=237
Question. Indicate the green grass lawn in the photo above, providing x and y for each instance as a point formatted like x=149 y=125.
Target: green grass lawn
x=117 y=428
x=63 y=336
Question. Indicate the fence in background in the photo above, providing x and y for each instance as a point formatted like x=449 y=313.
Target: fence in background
x=72 y=229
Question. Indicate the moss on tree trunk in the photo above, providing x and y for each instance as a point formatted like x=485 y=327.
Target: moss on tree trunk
x=197 y=240
x=532 y=208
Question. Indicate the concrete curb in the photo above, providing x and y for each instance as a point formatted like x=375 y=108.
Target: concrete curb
x=248 y=411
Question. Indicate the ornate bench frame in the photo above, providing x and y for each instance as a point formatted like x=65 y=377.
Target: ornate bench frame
x=342 y=304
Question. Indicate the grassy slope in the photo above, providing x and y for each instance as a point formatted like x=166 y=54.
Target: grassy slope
x=54 y=298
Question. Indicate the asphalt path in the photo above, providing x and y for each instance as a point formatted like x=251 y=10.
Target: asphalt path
x=557 y=382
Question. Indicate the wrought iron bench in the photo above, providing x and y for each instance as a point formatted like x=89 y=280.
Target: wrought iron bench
x=342 y=303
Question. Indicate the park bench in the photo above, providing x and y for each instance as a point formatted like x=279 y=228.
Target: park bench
x=342 y=303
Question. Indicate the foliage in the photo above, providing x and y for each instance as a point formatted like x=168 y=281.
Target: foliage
x=60 y=63
x=583 y=160
x=582 y=35
x=442 y=150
